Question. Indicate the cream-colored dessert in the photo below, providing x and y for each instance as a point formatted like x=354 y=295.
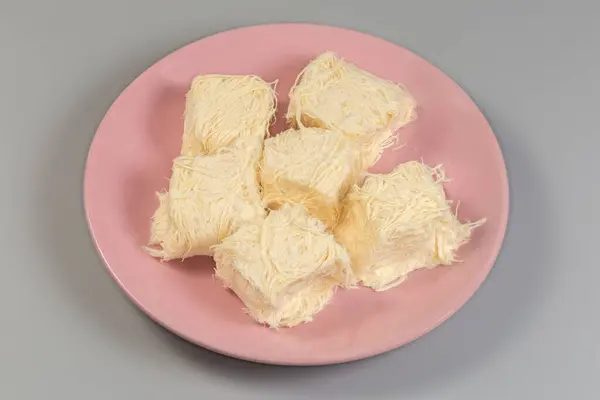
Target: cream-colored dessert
x=333 y=94
x=284 y=268
x=399 y=222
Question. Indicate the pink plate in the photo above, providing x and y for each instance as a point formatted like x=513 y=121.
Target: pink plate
x=130 y=159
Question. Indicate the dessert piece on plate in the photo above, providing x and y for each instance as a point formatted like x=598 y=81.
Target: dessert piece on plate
x=334 y=94
x=398 y=222
x=284 y=268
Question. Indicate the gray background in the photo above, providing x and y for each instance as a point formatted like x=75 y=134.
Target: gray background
x=531 y=332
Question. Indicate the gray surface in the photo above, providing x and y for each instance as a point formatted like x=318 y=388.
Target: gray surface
x=531 y=332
